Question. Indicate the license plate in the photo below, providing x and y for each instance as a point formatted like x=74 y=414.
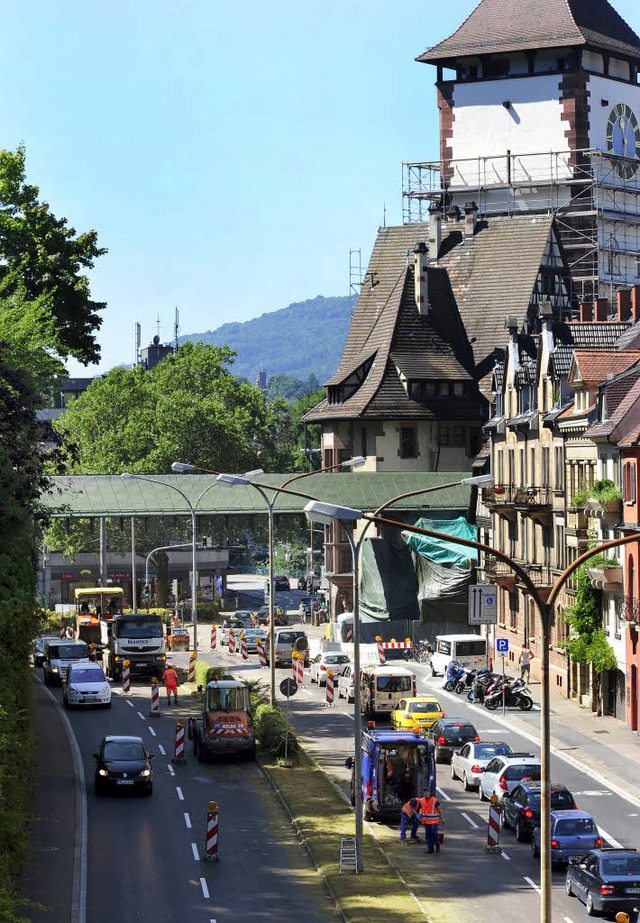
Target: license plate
x=124 y=781
x=632 y=890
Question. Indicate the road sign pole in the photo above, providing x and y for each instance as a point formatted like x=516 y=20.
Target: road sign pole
x=503 y=688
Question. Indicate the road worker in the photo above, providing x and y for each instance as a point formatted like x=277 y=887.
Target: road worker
x=431 y=816
x=410 y=812
x=170 y=680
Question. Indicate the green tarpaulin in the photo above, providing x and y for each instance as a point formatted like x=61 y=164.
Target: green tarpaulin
x=442 y=551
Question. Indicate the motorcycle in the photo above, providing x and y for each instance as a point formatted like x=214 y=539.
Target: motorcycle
x=468 y=678
x=480 y=687
x=455 y=671
x=513 y=694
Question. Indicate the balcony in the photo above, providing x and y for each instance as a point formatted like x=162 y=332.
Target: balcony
x=577 y=524
x=609 y=511
x=628 y=609
x=500 y=499
x=607 y=578
x=536 y=502
x=541 y=576
x=499 y=572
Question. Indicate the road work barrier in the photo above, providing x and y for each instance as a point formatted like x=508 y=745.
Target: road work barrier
x=155 y=699
x=126 y=677
x=262 y=657
x=232 y=641
x=179 y=745
x=493 y=830
x=297 y=666
x=381 y=654
x=211 y=838
x=243 y=646
x=330 y=688
x=214 y=637
x=191 y=675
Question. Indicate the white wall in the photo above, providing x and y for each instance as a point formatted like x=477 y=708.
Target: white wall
x=614 y=92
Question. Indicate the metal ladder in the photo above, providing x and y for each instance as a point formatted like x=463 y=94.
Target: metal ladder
x=348 y=854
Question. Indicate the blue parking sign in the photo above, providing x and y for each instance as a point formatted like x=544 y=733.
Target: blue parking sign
x=502 y=645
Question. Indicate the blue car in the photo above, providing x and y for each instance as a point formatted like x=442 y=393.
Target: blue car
x=573 y=833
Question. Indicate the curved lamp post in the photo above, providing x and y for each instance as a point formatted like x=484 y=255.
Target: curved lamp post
x=193 y=507
x=545 y=608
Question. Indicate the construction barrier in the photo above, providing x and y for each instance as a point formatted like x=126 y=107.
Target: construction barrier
x=261 y=653
x=396 y=645
x=232 y=641
x=214 y=637
x=349 y=634
x=381 y=654
x=179 y=746
x=211 y=839
x=297 y=665
x=191 y=676
x=126 y=677
x=243 y=646
x=493 y=829
x=63 y=631
x=330 y=688
x=155 y=699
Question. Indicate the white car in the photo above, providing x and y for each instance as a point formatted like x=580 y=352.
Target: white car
x=329 y=660
x=469 y=762
x=504 y=772
x=253 y=636
x=346 y=683
x=85 y=684
x=238 y=625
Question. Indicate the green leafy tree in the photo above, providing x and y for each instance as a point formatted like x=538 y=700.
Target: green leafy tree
x=588 y=643
x=42 y=260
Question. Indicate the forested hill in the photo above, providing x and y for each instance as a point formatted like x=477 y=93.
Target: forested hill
x=307 y=338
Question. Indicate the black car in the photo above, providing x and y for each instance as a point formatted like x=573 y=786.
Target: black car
x=450 y=734
x=520 y=808
x=123 y=763
x=281 y=583
x=38 y=648
x=606 y=880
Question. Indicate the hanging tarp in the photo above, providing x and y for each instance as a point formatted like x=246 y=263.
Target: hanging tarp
x=443 y=594
x=388 y=582
x=440 y=550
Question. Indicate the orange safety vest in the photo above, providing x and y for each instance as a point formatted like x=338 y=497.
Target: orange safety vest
x=407 y=809
x=430 y=809
x=170 y=677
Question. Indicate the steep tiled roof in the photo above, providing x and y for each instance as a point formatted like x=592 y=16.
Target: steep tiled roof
x=392 y=400
x=500 y=26
x=578 y=335
x=621 y=403
x=595 y=366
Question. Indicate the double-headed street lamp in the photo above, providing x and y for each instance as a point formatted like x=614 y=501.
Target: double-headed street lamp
x=193 y=507
x=328 y=513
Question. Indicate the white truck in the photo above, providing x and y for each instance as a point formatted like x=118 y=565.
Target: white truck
x=138 y=638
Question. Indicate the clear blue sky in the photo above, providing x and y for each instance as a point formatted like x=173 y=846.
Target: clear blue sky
x=228 y=154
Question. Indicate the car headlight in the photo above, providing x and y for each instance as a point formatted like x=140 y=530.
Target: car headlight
x=103 y=772
x=73 y=691
x=145 y=773
x=55 y=669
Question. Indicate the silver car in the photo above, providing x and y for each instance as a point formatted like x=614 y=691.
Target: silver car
x=329 y=660
x=253 y=635
x=468 y=763
x=504 y=772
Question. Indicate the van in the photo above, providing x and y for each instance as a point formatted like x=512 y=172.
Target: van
x=470 y=649
x=57 y=657
x=285 y=642
x=382 y=687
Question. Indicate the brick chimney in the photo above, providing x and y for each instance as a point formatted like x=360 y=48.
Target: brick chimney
x=624 y=305
x=470 y=218
x=601 y=306
x=421 y=269
x=586 y=312
x=635 y=303
x=435 y=230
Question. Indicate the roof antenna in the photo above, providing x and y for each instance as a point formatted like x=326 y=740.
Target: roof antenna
x=384 y=214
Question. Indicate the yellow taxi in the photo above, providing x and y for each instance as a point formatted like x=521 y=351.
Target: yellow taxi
x=421 y=711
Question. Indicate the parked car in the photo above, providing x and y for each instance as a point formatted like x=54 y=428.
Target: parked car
x=181 y=640
x=606 y=880
x=421 y=711
x=285 y=642
x=38 y=648
x=449 y=735
x=469 y=762
x=238 y=625
x=328 y=660
x=261 y=616
x=520 y=808
x=85 y=684
x=244 y=615
x=346 y=683
x=123 y=763
x=253 y=636
x=504 y=772
x=281 y=583
x=573 y=833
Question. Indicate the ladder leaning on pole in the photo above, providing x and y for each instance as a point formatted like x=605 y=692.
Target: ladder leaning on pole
x=348 y=854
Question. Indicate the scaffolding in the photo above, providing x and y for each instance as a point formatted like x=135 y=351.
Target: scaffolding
x=594 y=197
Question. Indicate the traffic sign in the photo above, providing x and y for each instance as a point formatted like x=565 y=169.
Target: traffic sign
x=502 y=645
x=288 y=687
x=483 y=604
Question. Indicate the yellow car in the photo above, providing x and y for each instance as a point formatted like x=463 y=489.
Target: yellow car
x=421 y=711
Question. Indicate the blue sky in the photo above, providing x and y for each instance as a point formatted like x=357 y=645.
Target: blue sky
x=228 y=154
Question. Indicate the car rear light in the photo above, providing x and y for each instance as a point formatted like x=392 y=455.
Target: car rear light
x=476 y=739
x=367 y=789
x=597 y=843
x=607 y=889
x=440 y=741
x=528 y=813
x=555 y=844
x=476 y=768
x=415 y=689
x=502 y=784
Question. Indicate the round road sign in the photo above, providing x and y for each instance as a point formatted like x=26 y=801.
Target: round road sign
x=288 y=687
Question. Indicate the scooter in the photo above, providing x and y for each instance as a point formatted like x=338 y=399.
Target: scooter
x=455 y=671
x=513 y=695
x=468 y=679
x=481 y=685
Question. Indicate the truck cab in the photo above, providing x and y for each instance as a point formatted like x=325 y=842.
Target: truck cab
x=138 y=638
x=396 y=766
x=226 y=724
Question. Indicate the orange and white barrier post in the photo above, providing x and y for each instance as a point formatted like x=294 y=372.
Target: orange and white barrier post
x=232 y=641
x=349 y=634
x=155 y=698
x=179 y=745
x=261 y=653
x=211 y=839
x=214 y=637
x=243 y=646
x=126 y=677
x=381 y=655
x=297 y=666
x=329 y=691
x=191 y=676
x=63 y=631
x=493 y=830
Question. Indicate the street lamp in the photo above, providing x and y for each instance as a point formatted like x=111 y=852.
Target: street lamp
x=193 y=507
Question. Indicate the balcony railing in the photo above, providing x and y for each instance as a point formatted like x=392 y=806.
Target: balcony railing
x=628 y=609
x=498 y=495
x=541 y=574
x=532 y=497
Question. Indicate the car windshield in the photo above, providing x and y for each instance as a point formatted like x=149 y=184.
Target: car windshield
x=621 y=865
x=488 y=751
x=574 y=827
x=87 y=676
x=336 y=658
x=394 y=684
x=143 y=627
x=68 y=651
x=424 y=706
x=123 y=750
x=222 y=698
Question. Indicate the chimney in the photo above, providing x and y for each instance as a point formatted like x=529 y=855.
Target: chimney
x=453 y=213
x=421 y=264
x=601 y=306
x=635 y=303
x=624 y=305
x=470 y=218
x=435 y=230
x=586 y=312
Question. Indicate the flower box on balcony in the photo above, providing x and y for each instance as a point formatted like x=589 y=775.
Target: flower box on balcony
x=498 y=490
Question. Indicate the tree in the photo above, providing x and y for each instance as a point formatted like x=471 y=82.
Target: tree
x=41 y=259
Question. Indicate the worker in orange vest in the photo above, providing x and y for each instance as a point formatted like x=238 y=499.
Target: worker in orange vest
x=431 y=816
x=409 y=814
x=170 y=680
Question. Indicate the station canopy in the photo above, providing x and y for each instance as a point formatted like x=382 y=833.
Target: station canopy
x=85 y=496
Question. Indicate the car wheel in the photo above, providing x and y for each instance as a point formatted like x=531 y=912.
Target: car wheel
x=107 y=704
x=433 y=672
x=65 y=702
x=535 y=852
x=568 y=888
x=520 y=831
x=366 y=811
x=467 y=784
x=453 y=771
x=311 y=677
x=591 y=910
x=481 y=793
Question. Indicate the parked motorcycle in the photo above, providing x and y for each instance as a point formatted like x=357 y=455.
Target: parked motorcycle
x=513 y=694
x=481 y=686
x=468 y=678
x=455 y=671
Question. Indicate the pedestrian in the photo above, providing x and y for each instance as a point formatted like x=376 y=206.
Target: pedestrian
x=410 y=813
x=169 y=635
x=431 y=817
x=525 y=662
x=170 y=680
x=302 y=613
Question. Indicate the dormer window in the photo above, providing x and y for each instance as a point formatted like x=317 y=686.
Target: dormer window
x=338 y=394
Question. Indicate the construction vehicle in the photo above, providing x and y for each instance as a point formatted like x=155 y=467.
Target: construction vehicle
x=93 y=605
x=138 y=638
x=226 y=724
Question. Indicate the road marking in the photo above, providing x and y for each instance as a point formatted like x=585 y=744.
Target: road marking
x=151 y=731
x=172 y=771
x=129 y=703
x=205 y=890
x=162 y=750
x=567 y=920
x=194 y=850
x=142 y=716
x=443 y=794
x=609 y=838
x=471 y=822
x=505 y=856
x=179 y=791
x=187 y=821
x=533 y=884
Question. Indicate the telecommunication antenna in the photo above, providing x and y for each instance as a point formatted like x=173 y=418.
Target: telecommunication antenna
x=176 y=327
x=137 y=342
x=355 y=271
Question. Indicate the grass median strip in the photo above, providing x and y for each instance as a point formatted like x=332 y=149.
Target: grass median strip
x=377 y=894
